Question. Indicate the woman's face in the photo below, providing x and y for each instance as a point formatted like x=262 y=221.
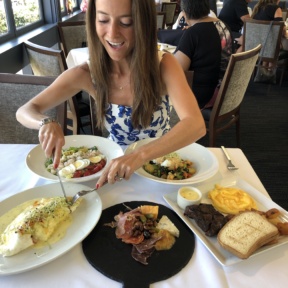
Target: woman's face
x=114 y=27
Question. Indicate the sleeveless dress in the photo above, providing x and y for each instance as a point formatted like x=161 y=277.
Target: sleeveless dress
x=119 y=125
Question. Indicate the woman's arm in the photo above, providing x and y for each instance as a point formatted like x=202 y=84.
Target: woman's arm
x=30 y=114
x=278 y=14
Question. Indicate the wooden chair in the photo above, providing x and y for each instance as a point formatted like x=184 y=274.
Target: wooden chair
x=284 y=14
x=226 y=109
x=15 y=91
x=169 y=8
x=255 y=32
x=51 y=62
x=161 y=20
x=72 y=35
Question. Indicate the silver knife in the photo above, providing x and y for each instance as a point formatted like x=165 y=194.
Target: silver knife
x=62 y=186
x=60 y=181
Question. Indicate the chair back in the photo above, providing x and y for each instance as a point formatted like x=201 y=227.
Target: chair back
x=72 y=35
x=15 y=91
x=161 y=19
x=45 y=61
x=236 y=80
x=169 y=8
x=51 y=62
x=255 y=32
x=231 y=93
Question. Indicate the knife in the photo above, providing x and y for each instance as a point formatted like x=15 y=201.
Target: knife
x=60 y=181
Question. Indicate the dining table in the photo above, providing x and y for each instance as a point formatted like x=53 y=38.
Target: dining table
x=268 y=269
x=77 y=56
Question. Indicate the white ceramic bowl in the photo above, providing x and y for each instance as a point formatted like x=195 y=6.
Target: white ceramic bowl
x=188 y=195
x=35 y=160
x=204 y=160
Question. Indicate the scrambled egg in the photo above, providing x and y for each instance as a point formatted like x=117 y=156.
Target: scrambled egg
x=35 y=224
x=231 y=200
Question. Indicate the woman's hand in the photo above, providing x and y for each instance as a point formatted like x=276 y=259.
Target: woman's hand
x=52 y=140
x=120 y=168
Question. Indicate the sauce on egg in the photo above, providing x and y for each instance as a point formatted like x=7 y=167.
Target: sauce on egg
x=189 y=194
x=57 y=235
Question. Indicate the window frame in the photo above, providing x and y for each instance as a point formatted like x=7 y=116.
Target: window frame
x=48 y=15
x=14 y=32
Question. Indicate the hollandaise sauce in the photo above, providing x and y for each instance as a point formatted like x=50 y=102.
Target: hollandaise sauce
x=44 y=221
x=189 y=194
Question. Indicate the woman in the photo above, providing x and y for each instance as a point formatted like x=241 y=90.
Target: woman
x=128 y=82
x=181 y=23
x=268 y=10
x=202 y=50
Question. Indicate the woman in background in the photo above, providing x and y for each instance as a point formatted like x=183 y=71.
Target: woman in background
x=268 y=10
x=204 y=48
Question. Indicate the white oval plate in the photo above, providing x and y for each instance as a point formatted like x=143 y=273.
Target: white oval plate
x=85 y=217
x=205 y=162
x=35 y=159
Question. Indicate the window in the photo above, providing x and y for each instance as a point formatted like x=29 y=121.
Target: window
x=19 y=16
x=67 y=6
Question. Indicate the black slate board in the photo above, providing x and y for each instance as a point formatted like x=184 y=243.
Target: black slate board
x=112 y=257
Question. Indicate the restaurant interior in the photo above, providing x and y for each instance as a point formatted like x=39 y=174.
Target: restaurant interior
x=261 y=156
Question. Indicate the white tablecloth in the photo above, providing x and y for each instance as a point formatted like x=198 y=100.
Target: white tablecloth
x=77 y=56
x=73 y=270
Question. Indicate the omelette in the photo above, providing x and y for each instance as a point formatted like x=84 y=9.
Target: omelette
x=35 y=224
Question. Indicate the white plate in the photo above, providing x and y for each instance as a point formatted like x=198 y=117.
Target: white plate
x=35 y=160
x=167 y=47
x=84 y=220
x=224 y=257
x=205 y=162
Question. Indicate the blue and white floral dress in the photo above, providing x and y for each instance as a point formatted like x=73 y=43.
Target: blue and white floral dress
x=119 y=125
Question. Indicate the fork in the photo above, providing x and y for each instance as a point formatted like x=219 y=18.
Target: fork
x=80 y=194
x=230 y=165
x=85 y=192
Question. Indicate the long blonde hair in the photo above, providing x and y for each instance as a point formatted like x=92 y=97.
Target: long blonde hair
x=144 y=65
x=261 y=5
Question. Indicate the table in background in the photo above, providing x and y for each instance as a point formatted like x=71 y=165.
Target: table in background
x=73 y=270
x=77 y=56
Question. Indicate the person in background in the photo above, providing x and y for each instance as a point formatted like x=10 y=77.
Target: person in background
x=181 y=23
x=69 y=6
x=204 y=48
x=233 y=14
x=268 y=10
x=83 y=5
x=130 y=84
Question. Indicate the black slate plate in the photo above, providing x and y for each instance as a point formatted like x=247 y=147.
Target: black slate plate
x=112 y=257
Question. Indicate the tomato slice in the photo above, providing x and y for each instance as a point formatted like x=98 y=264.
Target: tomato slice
x=91 y=169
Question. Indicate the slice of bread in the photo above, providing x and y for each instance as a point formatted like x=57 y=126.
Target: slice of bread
x=245 y=233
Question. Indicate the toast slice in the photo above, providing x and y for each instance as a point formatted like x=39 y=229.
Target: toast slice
x=245 y=233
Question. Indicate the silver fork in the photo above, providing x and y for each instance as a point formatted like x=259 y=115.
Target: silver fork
x=84 y=192
x=230 y=165
x=80 y=194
